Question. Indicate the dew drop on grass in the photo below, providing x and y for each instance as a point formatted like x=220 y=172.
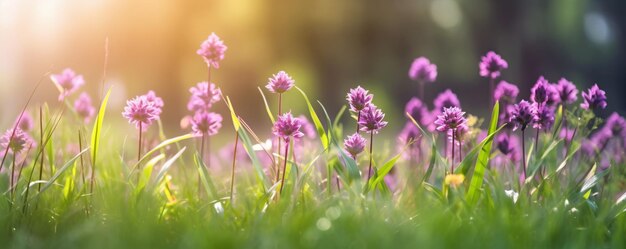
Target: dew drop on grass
x=323 y=224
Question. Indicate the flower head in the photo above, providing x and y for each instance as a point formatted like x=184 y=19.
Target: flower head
x=354 y=144
x=454 y=180
x=543 y=92
x=446 y=99
x=491 y=64
x=203 y=96
x=422 y=70
x=67 y=82
x=566 y=91
x=15 y=140
x=451 y=119
x=507 y=144
x=522 y=114
x=206 y=122
x=418 y=111
x=544 y=117
x=83 y=107
x=409 y=133
x=372 y=119
x=156 y=100
x=308 y=129
x=26 y=122
x=280 y=83
x=287 y=126
x=141 y=112
x=212 y=50
x=594 y=98
x=506 y=92
x=358 y=98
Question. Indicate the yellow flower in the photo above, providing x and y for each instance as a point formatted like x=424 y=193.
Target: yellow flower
x=454 y=180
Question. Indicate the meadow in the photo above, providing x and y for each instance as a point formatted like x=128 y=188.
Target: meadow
x=545 y=172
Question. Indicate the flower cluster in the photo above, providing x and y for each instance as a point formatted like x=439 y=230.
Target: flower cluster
x=141 y=112
x=594 y=98
x=354 y=144
x=506 y=92
x=15 y=140
x=358 y=99
x=83 y=107
x=286 y=126
x=451 y=119
x=212 y=50
x=372 y=119
x=280 y=82
x=491 y=64
x=567 y=92
x=523 y=114
x=203 y=96
x=446 y=99
x=67 y=82
x=206 y=123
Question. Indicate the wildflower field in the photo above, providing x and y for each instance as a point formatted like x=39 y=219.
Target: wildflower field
x=547 y=171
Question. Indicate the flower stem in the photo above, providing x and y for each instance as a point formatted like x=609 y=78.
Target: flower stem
x=358 y=118
x=282 y=182
x=536 y=141
x=12 y=187
x=232 y=176
x=421 y=91
x=491 y=92
x=280 y=107
x=524 y=154
x=369 y=171
x=139 y=147
x=43 y=154
x=208 y=88
x=453 y=137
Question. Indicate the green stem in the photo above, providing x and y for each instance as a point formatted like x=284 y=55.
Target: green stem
x=232 y=176
x=369 y=171
x=282 y=182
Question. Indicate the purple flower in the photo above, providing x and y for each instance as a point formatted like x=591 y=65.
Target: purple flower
x=418 y=111
x=308 y=129
x=140 y=111
x=543 y=92
x=566 y=91
x=491 y=64
x=203 y=96
x=156 y=100
x=67 y=82
x=446 y=99
x=506 y=115
x=358 y=98
x=506 y=92
x=594 y=98
x=422 y=70
x=522 y=114
x=409 y=133
x=616 y=124
x=354 y=144
x=212 y=50
x=26 y=122
x=15 y=141
x=451 y=119
x=566 y=134
x=280 y=83
x=508 y=145
x=206 y=123
x=372 y=119
x=83 y=107
x=287 y=126
x=544 y=117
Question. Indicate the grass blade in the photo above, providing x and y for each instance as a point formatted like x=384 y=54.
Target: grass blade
x=483 y=159
x=316 y=120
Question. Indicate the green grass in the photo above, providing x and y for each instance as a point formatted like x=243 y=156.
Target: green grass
x=157 y=203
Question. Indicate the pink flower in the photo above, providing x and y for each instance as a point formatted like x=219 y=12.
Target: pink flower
x=203 y=96
x=354 y=144
x=372 y=119
x=83 y=107
x=287 y=126
x=67 y=82
x=16 y=140
x=26 y=123
x=212 y=50
x=206 y=122
x=156 y=100
x=422 y=70
x=451 y=119
x=359 y=98
x=141 y=112
x=280 y=83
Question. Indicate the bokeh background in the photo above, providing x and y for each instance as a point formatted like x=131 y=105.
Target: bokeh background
x=327 y=46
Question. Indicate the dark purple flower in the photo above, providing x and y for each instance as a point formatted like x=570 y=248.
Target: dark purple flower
x=446 y=99
x=140 y=111
x=508 y=145
x=506 y=115
x=372 y=119
x=212 y=50
x=206 y=123
x=203 y=96
x=506 y=92
x=358 y=98
x=522 y=114
x=409 y=133
x=67 y=82
x=491 y=64
x=543 y=92
x=15 y=141
x=26 y=123
x=422 y=70
x=83 y=107
x=354 y=144
x=280 y=82
x=594 y=98
x=287 y=126
x=451 y=119
x=418 y=111
x=544 y=117
x=566 y=91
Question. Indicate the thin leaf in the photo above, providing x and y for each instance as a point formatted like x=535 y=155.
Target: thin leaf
x=483 y=159
x=316 y=120
x=267 y=107
x=59 y=172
